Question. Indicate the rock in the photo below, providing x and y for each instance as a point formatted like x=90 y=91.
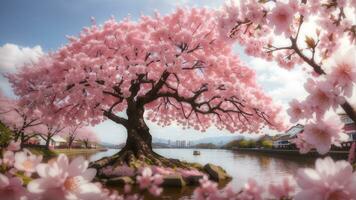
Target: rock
x=173 y=180
x=215 y=172
x=193 y=179
x=120 y=180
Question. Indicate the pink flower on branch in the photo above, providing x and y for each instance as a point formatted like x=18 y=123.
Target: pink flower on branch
x=343 y=74
x=329 y=180
x=323 y=133
x=281 y=17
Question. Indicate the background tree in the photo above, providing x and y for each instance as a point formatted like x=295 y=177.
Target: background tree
x=22 y=121
x=88 y=137
x=49 y=130
x=71 y=133
x=170 y=69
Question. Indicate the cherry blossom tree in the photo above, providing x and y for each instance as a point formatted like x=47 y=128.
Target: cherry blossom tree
x=72 y=132
x=311 y=34
x=88 y=136
x=171 y=69
x=22 y=121
x=49 y=130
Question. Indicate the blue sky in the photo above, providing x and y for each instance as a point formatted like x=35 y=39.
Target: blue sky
x=31 y=28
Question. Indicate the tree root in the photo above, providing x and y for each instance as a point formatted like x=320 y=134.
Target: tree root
x=140 y=159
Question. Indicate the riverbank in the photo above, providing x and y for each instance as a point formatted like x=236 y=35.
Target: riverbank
x=285 y=152
x=69 y=152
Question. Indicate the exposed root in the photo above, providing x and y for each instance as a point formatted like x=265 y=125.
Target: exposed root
x=140 y=159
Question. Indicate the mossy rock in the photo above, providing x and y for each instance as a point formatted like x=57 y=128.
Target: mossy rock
x=193 y=179
x=216 y=173
x=119 y=181
x=173 y=180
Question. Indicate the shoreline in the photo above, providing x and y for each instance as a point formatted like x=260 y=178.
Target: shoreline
x=280 y=152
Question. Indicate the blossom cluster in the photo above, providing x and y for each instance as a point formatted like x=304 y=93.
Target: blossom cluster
x=308 y=34
x=23 y=176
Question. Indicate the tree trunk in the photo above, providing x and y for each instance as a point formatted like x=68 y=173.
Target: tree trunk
x=47 y=143
x=138 y=145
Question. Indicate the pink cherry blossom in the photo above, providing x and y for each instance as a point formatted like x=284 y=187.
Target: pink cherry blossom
x=285 y=189
x=26 y=161
x=13 y=146
x=60 y=179
x=183 y=47
x=150 y=181
x=8 y=158
x=296 y=111
x=281 y=17
x=207 y=190
x=301 y=144
x=324 y=133
x=11 y=188
x=145 y=178
x=329 y=180
x=344 y=72
x=323 y=95
x=251 y=190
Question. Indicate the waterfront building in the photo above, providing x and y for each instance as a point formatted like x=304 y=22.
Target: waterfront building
x=284 y=140
x=350 y=126
x=56 y=142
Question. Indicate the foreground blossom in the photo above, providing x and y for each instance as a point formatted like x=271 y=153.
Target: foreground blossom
x=150 y=181
x=60 y=179
x=301 y=144
x=8 y=158
x=324 y=133
x=344 y=72
x=207 y=190
x=328 y=181
x=26 y=161
x=14 y=146
x=285 y=189
x=11 y=188
x=252 y=190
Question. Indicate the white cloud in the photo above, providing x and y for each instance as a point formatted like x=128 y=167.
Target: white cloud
x=282 y=85
x=13 y=56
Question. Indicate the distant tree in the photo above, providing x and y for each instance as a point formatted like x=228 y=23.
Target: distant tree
x=71 y=133
x=206 y=146
x=49 y=130
x=175 y=68
x=20 y=119
x=88 y=136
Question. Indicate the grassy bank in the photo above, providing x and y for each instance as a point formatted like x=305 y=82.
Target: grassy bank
x=55 y=152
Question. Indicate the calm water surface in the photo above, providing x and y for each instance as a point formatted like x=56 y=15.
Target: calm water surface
x=240 y=165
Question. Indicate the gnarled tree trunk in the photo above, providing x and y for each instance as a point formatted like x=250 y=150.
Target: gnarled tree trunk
x=138 y=148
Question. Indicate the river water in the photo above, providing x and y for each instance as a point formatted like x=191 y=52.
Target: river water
x=265 y=168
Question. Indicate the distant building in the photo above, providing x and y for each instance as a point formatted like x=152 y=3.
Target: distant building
x=284 y=140
x=181 y=143
x=56 y=141
x=350 y=126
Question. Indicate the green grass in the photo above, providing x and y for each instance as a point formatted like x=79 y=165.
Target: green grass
x=47 y=154
x=44 y=152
